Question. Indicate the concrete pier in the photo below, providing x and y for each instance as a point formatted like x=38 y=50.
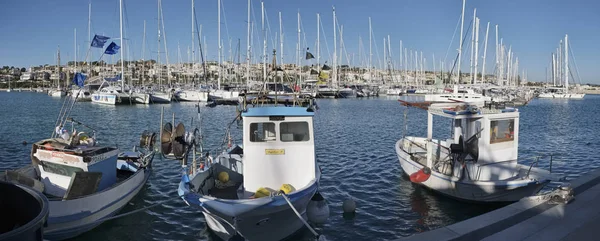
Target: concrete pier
x=533 y=219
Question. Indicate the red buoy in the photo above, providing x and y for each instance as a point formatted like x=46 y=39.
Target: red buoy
x=421 y=175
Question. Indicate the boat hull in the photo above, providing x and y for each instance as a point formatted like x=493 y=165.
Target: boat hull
x=111 y=99
x=70 y=218
x=561 y=96
x=470 y=191
x=193 y=95
x=264 y=219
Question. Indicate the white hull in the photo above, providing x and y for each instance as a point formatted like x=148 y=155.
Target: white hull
x=56 y=93
x=510 y=190
x=193 y=95
x=224 y=95
x=70 y=218
x=111 y=99
x=154 y=98
x=561 y=96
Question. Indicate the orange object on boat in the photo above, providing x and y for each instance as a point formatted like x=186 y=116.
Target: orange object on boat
x=421 y=175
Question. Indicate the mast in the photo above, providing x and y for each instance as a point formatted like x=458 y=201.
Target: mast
x=248 y=49
x=400 y=66
x=219 y=40
x=262 y=6
x=487 y=29
x=143 y=55
x=281 y=42
x=334 y=80
x=476 y=49
x=299 y=52
x=122 y=50
x=162 y=21
x=158 y=67
x=566 y=64
x=497 y=52
x=462 y=23
x=318 y=42
x=473 y=23
x=553 y=69
x=370 y=52
x=89 y=36
x=193 y=33
x=75 y=47
x=59 y=69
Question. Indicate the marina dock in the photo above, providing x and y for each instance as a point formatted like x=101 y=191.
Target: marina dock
x=533 y=218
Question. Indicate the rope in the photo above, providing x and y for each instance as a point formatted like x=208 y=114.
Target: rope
x=298 y=214
x=135 y=211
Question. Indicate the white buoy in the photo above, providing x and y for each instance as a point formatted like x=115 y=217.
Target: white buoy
x=349 y=206
x=317 y=209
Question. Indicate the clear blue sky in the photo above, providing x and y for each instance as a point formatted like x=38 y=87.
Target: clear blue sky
x=32 y=29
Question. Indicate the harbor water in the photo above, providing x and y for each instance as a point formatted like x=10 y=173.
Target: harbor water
x=355 y=148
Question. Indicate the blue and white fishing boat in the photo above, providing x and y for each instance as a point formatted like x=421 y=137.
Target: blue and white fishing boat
x=479 y=163
x=261 y=190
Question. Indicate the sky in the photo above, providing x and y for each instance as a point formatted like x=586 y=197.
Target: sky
x=32 y=30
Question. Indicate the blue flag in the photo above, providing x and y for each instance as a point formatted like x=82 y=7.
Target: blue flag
x=78 y=79
x=99 y=41
x=112 y=48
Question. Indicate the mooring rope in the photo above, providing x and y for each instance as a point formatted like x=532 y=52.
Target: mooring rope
x=136 y=211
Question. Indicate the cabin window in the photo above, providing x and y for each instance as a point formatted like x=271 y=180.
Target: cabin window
x=502 y=131
x=294 y=131
x=60 y=169
x=261 y=132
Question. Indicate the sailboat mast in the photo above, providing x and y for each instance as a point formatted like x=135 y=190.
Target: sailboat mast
x=248 y=49
x=298 y=51
x=219 y=40
x=75 y=48
x=462 y=23
x=566 y=64
x=193 y=33
x=472 y=77
x=476 y=49
x=334 y=80
x=143 y=56
x=487 y=29
x=318 y=42
x=89 y=36
x=370 y=52
x=262 y=7
x=280 y=41
x=121 y=33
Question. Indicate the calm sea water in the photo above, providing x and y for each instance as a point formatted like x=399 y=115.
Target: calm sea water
x=355 y=148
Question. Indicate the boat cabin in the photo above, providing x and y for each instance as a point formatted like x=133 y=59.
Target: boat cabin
x=278 y=147
x=487 y=138
x=64 y=166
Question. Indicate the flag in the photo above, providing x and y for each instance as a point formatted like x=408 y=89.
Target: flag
x=326 y=67
x=323 y=76
x=112 y=48
x=312 y=71
x=309 y=55
x=78 y=79
x=99 y=41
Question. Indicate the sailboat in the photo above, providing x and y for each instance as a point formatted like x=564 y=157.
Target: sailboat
x=58 y=92
x=561 y=93
x=110 y=92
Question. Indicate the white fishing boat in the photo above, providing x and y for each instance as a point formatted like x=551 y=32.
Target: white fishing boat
x=84 y=182
x=260 y=191
x=480 y=161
